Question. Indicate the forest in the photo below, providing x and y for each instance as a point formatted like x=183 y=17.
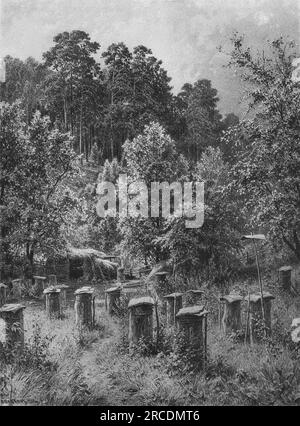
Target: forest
x=69 y=123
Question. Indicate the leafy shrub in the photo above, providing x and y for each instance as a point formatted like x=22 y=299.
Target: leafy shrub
x=35 y=353
x=184 y=357
x=80 y=393
x=85 y=337
x=276 y=383
x=24 y=372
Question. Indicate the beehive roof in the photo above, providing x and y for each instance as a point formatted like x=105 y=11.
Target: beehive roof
x=51 y=290
x=85 y=290
x=12 y=307
x=256 y=297
x=132 y=283
x=62 y=286
x=173 y=295
x=191 y=310
x=285 y=268
x=113 y=289
x=231 y=298
x=141 y=301
x=196 y=291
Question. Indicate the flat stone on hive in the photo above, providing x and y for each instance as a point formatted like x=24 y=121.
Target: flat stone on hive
x=51 y=290
x=173 y=295
x=85 y=290
x=231 y=298
x=13 y=307
x=131 y=289
x=285 y=268
x=132 y=284
x=62 y=286
x=140 y=301
x=113 y=290
x=256 y=297
x=191 y=310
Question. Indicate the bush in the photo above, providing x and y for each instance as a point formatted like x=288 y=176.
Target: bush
x=276 y=383
x=35 y=353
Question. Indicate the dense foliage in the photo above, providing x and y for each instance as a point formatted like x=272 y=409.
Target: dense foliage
x=266 y=173
x=36 y=161
x=102 y=106
x=69 y=123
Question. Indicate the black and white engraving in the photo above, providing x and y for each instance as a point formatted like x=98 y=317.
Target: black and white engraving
x=149 y=204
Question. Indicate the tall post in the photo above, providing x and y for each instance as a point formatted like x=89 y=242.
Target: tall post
x=174 y=304
x=256 y=315
x=192 y=323
x=13 y=325
x=39 y=284
x=63 y=295
x=285 y=277
x=261 y=288
x=231 y=320
x=112 y=300
x=140 y=319
x=53 y=308
x=85 y=307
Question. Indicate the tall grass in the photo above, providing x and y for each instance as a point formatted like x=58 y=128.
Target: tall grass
x=63 y=366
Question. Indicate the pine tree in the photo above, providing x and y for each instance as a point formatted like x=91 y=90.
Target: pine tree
x=94 y=156
x=114 y=170
x=107 y=175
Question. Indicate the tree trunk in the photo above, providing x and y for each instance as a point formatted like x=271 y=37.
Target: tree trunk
x=71 y=106
x=65 y=114
x=30 y=262
x=80 y=130
x=111 y=120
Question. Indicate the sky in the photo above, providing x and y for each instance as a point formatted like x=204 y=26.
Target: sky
x=184 y=34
